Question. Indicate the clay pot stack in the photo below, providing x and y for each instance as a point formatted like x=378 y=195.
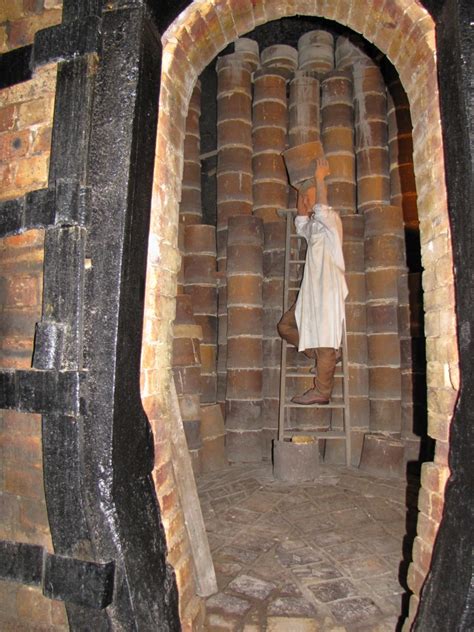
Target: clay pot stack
x=347 y=53
x=385 y=262
x=200 y=284
x=186 y=363
x=190 y=210
x=356 y=325
x=270 y=183
x=371 y=134
x=304 y=109
x=316 y=51
x=234 y=175
x=247 y=50
x=213 y=454
x=281 y=57
x=337 y=114
x=243 y=409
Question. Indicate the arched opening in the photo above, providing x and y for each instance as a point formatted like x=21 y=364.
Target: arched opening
x=186 y=52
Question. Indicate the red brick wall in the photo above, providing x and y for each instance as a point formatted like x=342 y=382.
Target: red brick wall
x=26 y=112
x=20 y=19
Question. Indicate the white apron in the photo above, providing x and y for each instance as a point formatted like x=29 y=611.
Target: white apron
x=320 y=305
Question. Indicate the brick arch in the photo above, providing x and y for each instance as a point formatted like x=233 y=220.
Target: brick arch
x=405 y=32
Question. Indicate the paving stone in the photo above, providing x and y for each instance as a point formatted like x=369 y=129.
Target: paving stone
x=261 y=501
x=365 y=567
x=350 y=517
x=336 y=502
x=222 y=581
x=384 y=584
x=319 y=493
x=251 y=587
x=228 y=604
x=348 y=550
x=330 y=591
x=234 y=553
x=355 y=610
x=318 y=571
x=316 y=524
x=362 y=532
x=253 y=541
x=327 y=538
x=386 y=544
x=291 y=607
x=384 y=510
x=215 y=541
x=270 y=570
x=288 y=503
x=298 y=557
x=292 y=624
x=290 y=544
x=240 y=516
x=303 y=510
x=227 y=567
x=273 y=531
x=289 y=589
x=218 y=623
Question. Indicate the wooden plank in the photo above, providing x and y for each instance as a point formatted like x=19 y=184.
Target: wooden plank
x=204 y=572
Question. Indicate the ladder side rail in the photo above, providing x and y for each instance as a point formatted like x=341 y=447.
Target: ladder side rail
x=282 y=408
x=346 y=410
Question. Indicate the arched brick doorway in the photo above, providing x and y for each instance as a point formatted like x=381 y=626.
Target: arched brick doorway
x=406 y=35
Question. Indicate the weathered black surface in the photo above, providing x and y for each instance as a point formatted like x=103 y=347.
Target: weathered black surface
x=38 y=391
x=64 y=289
x=64 y=202
x=21 y=563
x=15 y=66
x=72 y=113
x=77 y=581
x=118 y=442
x=447 y=597
x=80 y=582
x=49 y=345
x=74 y=10
x=66 y=41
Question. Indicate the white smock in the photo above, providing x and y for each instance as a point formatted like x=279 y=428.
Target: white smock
x=320 y=312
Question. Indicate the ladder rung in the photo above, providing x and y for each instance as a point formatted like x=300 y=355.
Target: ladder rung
x=333 y=404
x=297 y=261
x=320 y=434
x=309 y=374
x=296 y=236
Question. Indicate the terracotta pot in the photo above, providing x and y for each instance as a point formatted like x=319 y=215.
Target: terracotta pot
x=301 y=161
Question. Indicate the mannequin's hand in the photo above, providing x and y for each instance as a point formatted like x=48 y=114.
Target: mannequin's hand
x=322 y=169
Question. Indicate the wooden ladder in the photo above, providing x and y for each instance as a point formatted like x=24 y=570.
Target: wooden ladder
x=341 y=403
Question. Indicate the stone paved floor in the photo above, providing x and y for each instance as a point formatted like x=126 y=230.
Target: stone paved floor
x=330 y=555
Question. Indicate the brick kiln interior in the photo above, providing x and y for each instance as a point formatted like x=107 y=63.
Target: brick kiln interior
x=138 y=77
x=249 y=105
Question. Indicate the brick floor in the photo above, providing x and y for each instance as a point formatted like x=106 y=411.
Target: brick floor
x=330 y=555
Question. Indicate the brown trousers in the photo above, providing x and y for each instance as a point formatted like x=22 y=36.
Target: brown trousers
x=325 y=356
